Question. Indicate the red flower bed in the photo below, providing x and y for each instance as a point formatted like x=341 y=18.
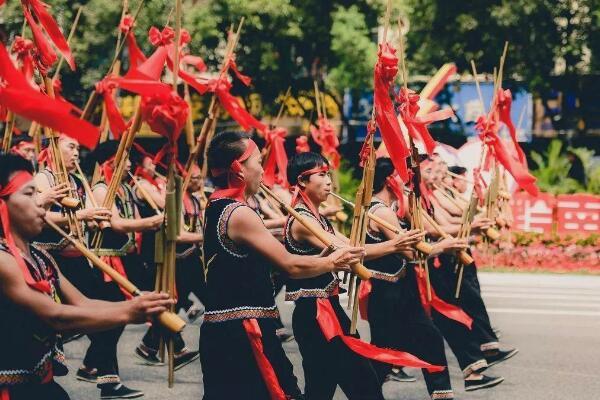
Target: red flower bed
x=525 y=251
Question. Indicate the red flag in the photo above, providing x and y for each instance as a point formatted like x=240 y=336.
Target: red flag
x=277 y=160
x=326 y=137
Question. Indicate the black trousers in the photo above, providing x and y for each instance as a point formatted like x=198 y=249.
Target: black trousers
x=152 y=338
x=189 y=279
x=462 y=340
x=30 y=391
x=102 y=352
x=228 y=365
x=329 y=364
x=471 y=301
x=398 y=320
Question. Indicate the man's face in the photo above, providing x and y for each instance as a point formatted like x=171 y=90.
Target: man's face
x=318 y=186
x=195 y=180
x=26 y=216
x=460 y=184
x=26 y=150
x=149 y=166
x=427 y=173
x=69 y=149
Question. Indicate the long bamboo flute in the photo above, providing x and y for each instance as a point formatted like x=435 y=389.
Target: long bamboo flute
x=145 y=194
x=320 y=234
x=168 y=319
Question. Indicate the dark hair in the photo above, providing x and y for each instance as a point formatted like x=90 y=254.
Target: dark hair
x=455 y=169
x=303 y=162
x=11 y=163
x=383 y=169
x=21 y=139
x=223 y=150
x=104 y=151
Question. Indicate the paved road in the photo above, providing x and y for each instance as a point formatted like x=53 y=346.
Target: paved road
x=553 y=319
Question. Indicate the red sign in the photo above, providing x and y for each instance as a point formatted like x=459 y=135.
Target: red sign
x=578 y=213
x=533 y=214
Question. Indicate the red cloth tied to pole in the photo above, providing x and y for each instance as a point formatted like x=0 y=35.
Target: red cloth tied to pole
x=488 y=129
x=15 y=184
x=136 y=56
x=277 y=160
x=446 y=309
x=40 y=10
x=166 y=115
x=366 y=287
x=17 y=95
x=264 y=365
x=221 y=87
x=387 y=121
x=479 y=185
x=331 y=328
x=24 y=48
x=115 y=120
x=302 y=144
x=417 y=125
x=365 y=150
x=117 y=264
x=394 y=183
x=326 y=137
x=236 y=185
x=504 y=104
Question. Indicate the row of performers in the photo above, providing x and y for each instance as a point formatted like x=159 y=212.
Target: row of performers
x=227 y=255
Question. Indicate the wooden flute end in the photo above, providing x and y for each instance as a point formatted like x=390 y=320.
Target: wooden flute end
x=171 y=321
x=424 y=247
x=341 y=216
x=69 y=202
x=492 y=234
x=104 y=224
x=361 y=271
x=465 y=258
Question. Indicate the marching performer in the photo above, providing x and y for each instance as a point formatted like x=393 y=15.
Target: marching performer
x=238 y=336
x=38 y=301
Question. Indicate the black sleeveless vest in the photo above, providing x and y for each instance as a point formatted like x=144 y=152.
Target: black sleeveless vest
x=49 y=239
x=388 y=268
x=30 y=350
x=238 y=280
x=192 y=220
x=324 y=285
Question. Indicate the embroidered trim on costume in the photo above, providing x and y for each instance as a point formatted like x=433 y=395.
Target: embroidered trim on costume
x=229 y=245
x=475 y=367
x=384 y=276
x=490 y=346
x=325 y=292
x=102 y=380
x=442 y=394
x=246 y=312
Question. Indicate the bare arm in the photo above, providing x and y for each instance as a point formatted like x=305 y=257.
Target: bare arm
x=156 y=195
x=411 y=238
x=82 y=315
x=443 y=201
x=245 y=227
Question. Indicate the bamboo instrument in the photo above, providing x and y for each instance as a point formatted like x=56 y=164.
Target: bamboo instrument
x=320 y=234
x=147 y=197
x=422 y=246
x=168 y=319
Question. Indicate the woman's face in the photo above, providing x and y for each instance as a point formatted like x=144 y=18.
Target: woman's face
x=149 y=166
x=252 y=172
x=26 y=216
x=317 y=186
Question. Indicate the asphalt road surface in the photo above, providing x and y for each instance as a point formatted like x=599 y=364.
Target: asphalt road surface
x=554 y=320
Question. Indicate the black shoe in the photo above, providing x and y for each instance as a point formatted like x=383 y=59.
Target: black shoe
x=119 y=391
x=483 y=383
x=398 y=375
x=284 y=335
x=87 y=375
x=148 y=356
x=494 y=357
x=185 y=357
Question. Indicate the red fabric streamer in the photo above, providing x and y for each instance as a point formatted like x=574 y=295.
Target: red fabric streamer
x=232 y=105
x=236 y=185
x=117 y=264
x=479 y=185
x=446 y=309
x=24 y=48
x=366 y=287
x=330 y=326
x=488 y=133
x=115 y=119
x=395 y=184
x=245 y=79
x=326 y=137
x=504 y=104
x=136 y=56
x=365 y=150
x=166 y=115
x=387 y=121
x=47 y=22
x=264 y=365
x=108 y=170
x=17 y=95
x=45 y=54
x=139 y=171
x=4 y=392
x=195 y=61
x=15 y=184
x=417 y=125
x=277 y=160
x=302 y=144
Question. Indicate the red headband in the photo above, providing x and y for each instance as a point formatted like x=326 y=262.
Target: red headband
x=299 y=191
x=19 y=180
x=236 y=186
